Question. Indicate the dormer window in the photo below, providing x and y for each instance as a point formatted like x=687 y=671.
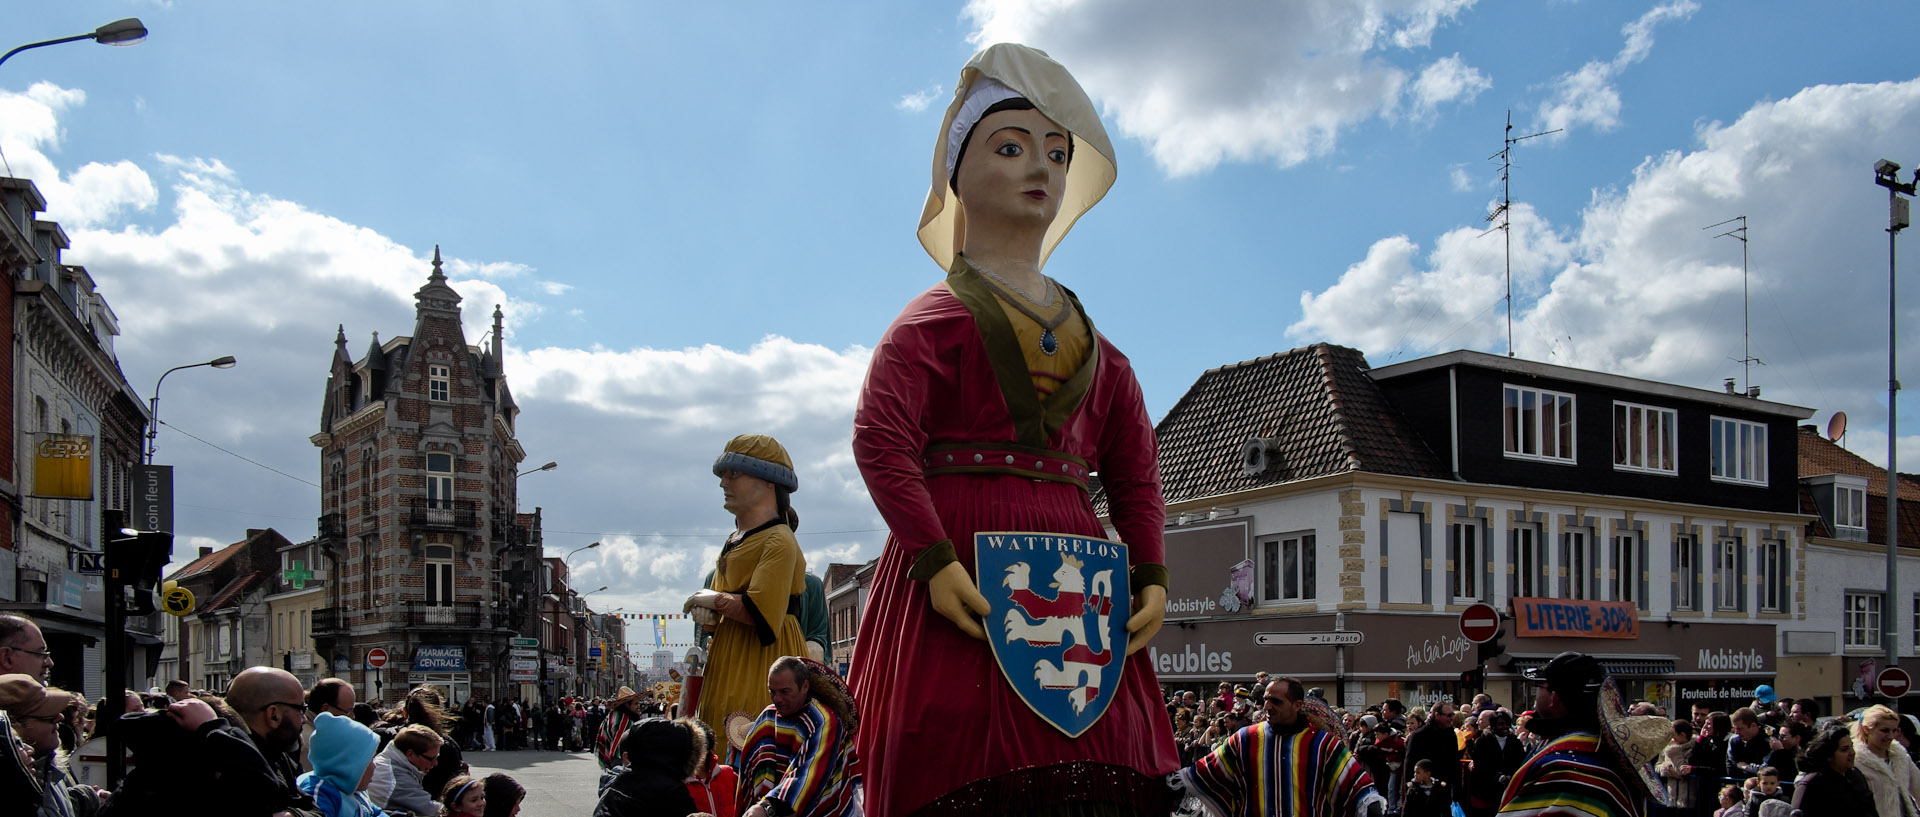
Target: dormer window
x=1850 y=511
x=1842 y=502
x=1537 y=424
x=437 y=377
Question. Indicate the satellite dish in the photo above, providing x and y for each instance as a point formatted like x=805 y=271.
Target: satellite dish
x=1837 y=426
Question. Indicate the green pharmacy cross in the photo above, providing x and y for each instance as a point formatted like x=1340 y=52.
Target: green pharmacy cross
x=298 y=575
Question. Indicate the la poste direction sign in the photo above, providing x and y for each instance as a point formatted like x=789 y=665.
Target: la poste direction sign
x=1479 y=623
x=376 y=658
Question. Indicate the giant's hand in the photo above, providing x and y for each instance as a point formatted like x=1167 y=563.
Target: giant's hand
x=709 y=599
x=1149 y=610
x=954 y=595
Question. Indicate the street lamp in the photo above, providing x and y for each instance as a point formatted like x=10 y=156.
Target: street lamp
x=153 y=404
x=591 y=592
x=548 y=467
x=119 y=32
x=1887 y=175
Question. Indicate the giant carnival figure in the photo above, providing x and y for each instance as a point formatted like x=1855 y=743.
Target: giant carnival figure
x=990 y=404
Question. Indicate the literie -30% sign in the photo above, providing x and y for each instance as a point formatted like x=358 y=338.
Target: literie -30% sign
x=1337 y=638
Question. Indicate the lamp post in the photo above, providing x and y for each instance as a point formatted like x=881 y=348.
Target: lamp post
x=119 y=32
x=153 y=403
x=1887 y=175
x=548 y=467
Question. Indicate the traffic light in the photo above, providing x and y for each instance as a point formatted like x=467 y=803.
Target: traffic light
x=1474 y=678
x=1494 y=647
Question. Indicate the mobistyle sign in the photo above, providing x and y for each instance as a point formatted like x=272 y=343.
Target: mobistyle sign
x=439 y=658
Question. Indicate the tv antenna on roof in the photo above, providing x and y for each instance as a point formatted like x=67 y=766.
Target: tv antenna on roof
x=1504 y=212
x=1746 y=320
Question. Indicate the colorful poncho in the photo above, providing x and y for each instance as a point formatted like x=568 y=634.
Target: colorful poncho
x=805 y=763
x=1260 y=771
x=1572 y=776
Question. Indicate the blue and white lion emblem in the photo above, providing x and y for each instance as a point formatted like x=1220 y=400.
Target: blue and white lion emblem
x=1062 y=647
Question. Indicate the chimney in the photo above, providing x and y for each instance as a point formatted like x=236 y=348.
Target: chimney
x=205 y=551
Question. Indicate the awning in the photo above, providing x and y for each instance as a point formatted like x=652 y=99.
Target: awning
x=1625 y=666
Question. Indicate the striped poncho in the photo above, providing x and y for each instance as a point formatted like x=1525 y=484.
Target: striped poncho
x=1261 y=771
x=805 y=763
x=1571 y=776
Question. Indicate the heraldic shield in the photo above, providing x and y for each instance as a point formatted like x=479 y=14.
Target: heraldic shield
x=1058 y=625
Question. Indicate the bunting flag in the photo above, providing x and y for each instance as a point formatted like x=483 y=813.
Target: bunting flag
x=638 y=616
x=660 y=632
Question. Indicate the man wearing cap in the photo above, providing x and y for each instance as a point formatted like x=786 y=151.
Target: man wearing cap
x=1596 y=762
x=36 y=712
x=1288 y=764
x=751 y=604
x=798 y=757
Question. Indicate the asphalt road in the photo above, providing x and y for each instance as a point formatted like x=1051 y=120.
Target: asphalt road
x=558 y=784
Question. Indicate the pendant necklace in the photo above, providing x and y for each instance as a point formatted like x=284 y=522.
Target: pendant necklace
x=1001 y=286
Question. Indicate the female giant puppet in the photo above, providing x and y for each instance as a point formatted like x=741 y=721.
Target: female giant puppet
x=996 y=368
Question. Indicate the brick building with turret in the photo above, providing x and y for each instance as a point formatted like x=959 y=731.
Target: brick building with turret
x=420 y=539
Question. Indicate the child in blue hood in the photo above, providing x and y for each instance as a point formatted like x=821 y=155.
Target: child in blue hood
x=342 y=755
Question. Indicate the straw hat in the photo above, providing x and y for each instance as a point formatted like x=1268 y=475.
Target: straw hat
x=1638 y=739
x=1054 y=93
x=739 y=726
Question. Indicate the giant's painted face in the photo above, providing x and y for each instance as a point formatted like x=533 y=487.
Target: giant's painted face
x=1014 y=172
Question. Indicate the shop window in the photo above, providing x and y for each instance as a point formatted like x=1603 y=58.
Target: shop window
x=1287 y=568
x=1861 y=620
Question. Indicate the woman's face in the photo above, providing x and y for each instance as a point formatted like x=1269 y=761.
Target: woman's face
x=1880 y=733
x=1842 y=757
x=1014 y=172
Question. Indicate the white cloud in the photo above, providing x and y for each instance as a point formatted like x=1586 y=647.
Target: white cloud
x=920 y=100
x=1587 y=97
x=1637 y=287
x=1448 y=79
x=1459 y=179
x=555 y=287
x=489 y=270
x=94 y=194
x=1243 y=82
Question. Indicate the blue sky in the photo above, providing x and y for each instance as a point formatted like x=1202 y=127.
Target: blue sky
x=699 y=216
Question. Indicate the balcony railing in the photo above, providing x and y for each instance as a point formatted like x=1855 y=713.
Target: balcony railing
x=442 y=514
x=332 y=526
x=463 y=615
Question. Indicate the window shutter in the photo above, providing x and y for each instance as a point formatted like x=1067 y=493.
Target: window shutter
x=1309 y=567
x=1566 y=565
x=1740 y=570
x=1513 y=562
x=1640 y=599
x=1673 y=601
x=1486 y=560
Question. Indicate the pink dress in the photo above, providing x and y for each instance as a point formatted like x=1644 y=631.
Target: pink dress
x=942 y=728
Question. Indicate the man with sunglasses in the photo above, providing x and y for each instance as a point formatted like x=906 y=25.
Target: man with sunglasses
x=274 y=705
x=23 y=649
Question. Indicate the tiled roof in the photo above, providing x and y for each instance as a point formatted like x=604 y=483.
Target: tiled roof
x=1316 y=404
x=1819 y=456
x=838 y=574
x=232 y=593
x=210 y=561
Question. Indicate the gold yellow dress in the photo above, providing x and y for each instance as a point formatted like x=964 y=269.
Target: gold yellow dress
x=766 y=568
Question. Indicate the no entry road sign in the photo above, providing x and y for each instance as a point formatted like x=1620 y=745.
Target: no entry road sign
x=376 y=658
x=1480 y=623
x=1894 y=682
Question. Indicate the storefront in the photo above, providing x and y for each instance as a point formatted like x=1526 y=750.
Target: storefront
x=443 y=667
x=1420 y=657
